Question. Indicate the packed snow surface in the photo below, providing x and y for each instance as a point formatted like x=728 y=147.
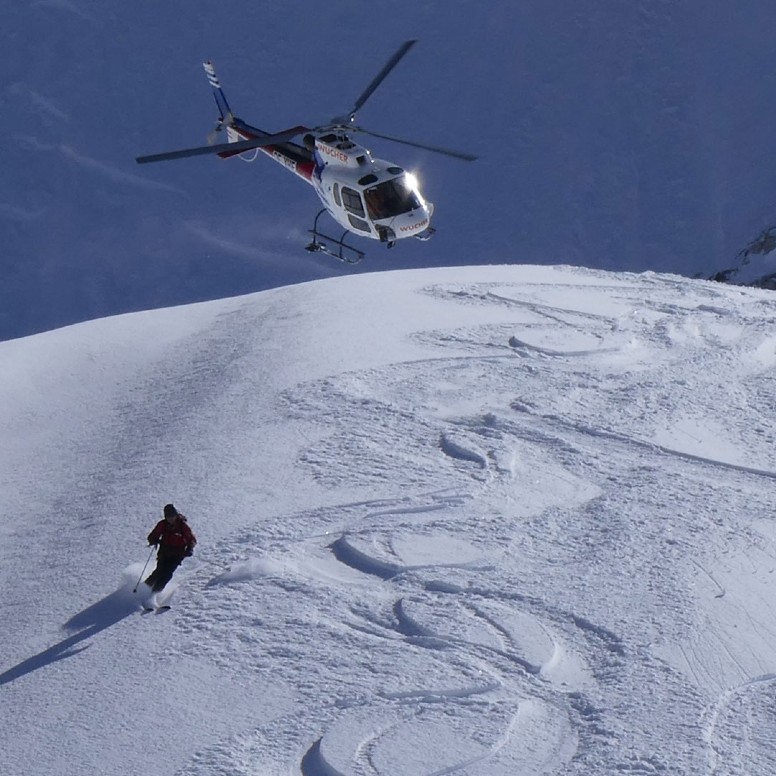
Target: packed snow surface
x=487 y=521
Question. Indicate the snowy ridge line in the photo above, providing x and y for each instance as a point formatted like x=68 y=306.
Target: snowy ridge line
x=484 y=296
x=359 y=588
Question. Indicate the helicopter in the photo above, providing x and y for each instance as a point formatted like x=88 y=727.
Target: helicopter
x=369 y=197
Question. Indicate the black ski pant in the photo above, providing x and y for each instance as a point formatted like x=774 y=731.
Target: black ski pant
x=162 y=574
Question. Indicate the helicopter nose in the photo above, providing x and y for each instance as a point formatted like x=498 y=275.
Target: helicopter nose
x=413 y=223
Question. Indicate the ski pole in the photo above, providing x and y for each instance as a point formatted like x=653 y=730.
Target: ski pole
x=134 y=589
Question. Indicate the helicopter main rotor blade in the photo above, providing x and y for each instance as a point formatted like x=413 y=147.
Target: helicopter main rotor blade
x=238 y=147
x=381 y=76
x=436 y=149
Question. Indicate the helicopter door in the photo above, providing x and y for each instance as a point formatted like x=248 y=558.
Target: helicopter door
x=353 y=203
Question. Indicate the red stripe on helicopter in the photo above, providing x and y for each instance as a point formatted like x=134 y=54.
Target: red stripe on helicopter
x=296 y=163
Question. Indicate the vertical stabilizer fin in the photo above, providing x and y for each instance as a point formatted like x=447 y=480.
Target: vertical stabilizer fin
x=223 y=106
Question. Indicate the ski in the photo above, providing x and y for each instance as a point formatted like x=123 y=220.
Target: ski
x=153 y=604
x=157 y=601
x=156 y=609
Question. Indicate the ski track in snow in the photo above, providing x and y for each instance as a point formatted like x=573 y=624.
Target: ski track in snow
x=741 y=728
x=547 y=429
x=503 y=661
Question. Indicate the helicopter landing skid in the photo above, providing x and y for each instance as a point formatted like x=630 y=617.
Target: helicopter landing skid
x=337 y=249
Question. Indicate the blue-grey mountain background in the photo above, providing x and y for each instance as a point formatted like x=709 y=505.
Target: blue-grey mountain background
x=618 y=134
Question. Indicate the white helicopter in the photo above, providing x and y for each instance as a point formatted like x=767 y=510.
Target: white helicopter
x=367 y=196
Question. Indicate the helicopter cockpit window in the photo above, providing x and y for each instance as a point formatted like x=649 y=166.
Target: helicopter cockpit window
x=352 y=201
x=391 y=198
x=336 y=192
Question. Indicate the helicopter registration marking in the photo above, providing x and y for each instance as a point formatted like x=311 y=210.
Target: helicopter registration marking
x=413 y=227
x=284 y=160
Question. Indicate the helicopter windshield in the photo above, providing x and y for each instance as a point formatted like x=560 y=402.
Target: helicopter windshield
x=392 y=198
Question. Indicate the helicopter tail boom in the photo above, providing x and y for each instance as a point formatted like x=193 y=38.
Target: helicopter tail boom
x=242 y=137
x=291 y=155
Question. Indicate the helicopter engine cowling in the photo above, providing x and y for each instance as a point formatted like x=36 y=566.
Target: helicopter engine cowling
x=342 y=152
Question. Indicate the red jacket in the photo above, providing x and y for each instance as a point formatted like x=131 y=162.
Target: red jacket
x=175 y=539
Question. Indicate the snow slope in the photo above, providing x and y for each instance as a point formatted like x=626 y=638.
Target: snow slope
x=616 y=134
x=483 y=521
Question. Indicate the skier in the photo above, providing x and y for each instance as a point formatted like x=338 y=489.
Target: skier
x=175 y=541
